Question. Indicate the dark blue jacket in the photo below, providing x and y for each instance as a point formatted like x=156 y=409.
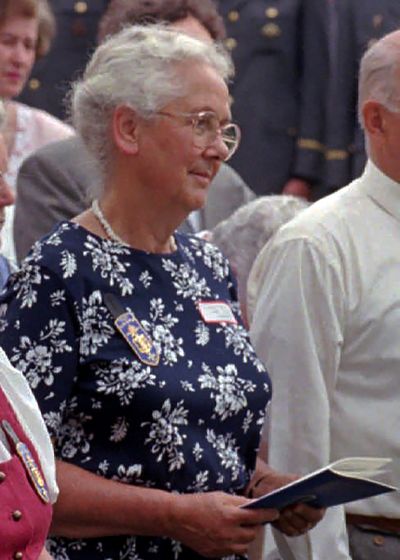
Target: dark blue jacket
x=76 y=38
x=359 y=24
x=281 y=54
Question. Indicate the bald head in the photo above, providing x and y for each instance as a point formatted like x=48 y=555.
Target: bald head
x=379 y=103
x=379 y=77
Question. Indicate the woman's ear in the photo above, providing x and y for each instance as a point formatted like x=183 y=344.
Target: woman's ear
x=125 y=129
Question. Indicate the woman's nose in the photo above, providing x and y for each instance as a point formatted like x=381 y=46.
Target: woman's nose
x=219 y=147
x=20 y=54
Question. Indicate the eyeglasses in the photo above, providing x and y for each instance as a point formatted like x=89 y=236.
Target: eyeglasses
x=206 y=128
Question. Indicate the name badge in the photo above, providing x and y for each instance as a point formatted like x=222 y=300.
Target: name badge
x=137 y=338
x=216 y=312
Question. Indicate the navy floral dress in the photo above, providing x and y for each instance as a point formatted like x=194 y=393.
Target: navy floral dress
x=190 y=424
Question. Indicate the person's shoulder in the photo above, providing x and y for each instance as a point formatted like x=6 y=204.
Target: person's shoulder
x=197 y=241
x=328 y=218
x=229 y=182
x=226 y=173
x=54 y=150
x=64 y=166
x=66 y=238
x=198 y=248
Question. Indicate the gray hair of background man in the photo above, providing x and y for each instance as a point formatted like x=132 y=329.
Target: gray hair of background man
x=137 y=67
x=242 y=236
x=379 y=76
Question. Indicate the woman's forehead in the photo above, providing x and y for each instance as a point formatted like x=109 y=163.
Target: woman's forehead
x=201 y=78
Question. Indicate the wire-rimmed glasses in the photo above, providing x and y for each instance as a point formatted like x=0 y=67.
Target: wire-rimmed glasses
x=206 y=128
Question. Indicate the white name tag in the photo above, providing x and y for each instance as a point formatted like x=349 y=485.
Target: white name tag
x=216 y=312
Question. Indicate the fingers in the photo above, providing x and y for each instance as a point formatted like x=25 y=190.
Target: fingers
x=310 y=514
x=298 y=520
x=256 y=517
x=214 y=525
x=292 y=524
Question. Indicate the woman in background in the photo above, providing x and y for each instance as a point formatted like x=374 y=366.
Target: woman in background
x=26 y=31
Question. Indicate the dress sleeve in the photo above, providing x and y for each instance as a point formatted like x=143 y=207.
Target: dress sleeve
x=39 y=333
x=297 y=331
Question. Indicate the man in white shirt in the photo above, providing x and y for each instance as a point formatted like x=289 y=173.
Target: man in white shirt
x=324 y=299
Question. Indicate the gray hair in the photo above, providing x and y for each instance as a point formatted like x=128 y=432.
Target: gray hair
x=242 y=236
x=379 y=74
x=137 y=67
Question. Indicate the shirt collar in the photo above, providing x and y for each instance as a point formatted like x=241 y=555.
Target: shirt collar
x=382 y=189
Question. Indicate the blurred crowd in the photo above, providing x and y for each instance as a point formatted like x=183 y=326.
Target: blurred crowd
x=129 y=247
x=294 y=91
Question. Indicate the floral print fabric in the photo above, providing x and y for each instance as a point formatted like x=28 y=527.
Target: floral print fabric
x=190 y=424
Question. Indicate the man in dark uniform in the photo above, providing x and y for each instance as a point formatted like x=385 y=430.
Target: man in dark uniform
x=76 y=37
x=281 y=53
x=360 y=23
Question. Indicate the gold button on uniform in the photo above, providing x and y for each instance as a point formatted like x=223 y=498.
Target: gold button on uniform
x=34 y=84
x=233 y=16
x=378 y=540
x=80 y=7
x=230 y=43
x=18 y=555
x=377 y=20
x=2 y=476
x=16 y=515
x=272 y=12
x=271 y=30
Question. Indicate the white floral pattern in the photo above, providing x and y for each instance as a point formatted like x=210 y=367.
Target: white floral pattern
x=105 y=258
x=124 y=378
x=190 y=424
x=164 y=435
x=227 y=389
x=34 y=357
x=95 y=325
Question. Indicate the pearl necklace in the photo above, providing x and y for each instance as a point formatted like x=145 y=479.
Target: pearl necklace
x=111 y=233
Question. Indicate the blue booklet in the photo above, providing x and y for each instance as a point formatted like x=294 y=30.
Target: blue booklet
x=346 y=480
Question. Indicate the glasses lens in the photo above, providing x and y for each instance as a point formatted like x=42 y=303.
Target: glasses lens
x=206 y=126
x=231 y=137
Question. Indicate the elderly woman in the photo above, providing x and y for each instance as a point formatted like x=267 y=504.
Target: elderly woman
x=27 y=469
x=130 y=333
x=26 y=31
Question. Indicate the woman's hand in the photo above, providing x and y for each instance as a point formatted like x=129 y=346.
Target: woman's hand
x=298 y=519
x=214 y=525
x=294 y=520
